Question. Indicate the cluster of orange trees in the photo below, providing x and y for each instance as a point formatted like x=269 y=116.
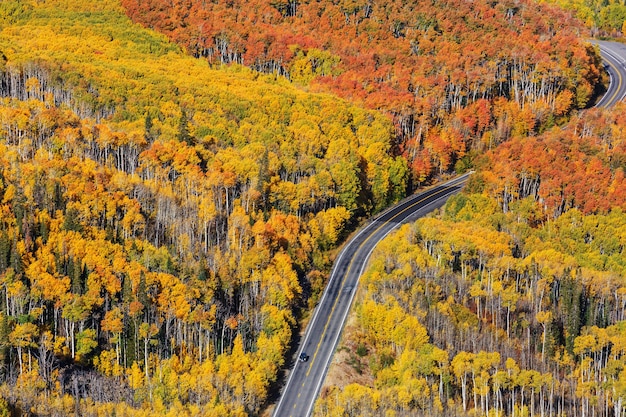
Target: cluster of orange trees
x=454 y=76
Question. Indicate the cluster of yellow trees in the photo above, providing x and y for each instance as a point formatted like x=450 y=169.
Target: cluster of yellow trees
x=449 y=324
x=604 y=18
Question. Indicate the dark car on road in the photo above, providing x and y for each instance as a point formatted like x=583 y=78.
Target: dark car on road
x=304 y=357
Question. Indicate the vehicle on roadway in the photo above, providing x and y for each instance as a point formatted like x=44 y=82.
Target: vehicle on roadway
x=304 y=357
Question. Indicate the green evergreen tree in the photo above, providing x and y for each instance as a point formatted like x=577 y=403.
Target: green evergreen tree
x=5 y=251
x=183 y=129
x=71 y=221
x=149 y=134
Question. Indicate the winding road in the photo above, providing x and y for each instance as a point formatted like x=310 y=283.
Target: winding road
x=322 y=334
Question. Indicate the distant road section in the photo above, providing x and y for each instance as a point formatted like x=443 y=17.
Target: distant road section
x=614 y=57
x=323 y=332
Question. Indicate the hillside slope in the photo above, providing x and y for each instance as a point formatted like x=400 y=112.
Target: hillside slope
x=162 y=222
x=166 y=219
x=508 y=302
x=454 y=76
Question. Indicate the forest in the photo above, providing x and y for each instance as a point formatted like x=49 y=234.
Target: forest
x=163 y=223
x=454 y=76
x=174 y=189
x=508 y=302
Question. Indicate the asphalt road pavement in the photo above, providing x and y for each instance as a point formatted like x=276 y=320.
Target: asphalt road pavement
x=614 y=57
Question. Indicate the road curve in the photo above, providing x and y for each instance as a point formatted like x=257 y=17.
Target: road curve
x=322 y=334
x=614 y=57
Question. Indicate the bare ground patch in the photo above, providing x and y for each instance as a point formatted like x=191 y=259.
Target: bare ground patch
x=350 y=363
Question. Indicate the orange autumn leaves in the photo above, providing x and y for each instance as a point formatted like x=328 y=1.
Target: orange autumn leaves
x=434 y=68
x=580 y=167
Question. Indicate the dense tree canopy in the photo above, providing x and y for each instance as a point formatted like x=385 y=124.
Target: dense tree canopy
x=454 y=75
x=163 y=223
x=581 y=166
x=511 y=300
x=166 y=220
x=604 y=18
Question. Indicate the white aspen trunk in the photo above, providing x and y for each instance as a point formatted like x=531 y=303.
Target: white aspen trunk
x=72 y=324
x=19 y=357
